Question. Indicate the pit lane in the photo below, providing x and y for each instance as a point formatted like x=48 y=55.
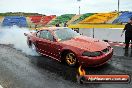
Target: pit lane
x=18 y=70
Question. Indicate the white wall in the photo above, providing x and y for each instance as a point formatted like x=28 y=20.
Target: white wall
x=111 y=34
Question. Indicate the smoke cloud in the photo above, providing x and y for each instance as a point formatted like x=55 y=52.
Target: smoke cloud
x=15 y=36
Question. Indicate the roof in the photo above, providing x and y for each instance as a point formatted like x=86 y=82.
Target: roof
x=51 y=28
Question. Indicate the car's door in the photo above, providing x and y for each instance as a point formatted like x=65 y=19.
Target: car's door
x=54 y=49
x=42 y=42
x=47 y=45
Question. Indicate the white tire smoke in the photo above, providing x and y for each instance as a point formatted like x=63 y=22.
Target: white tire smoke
x=15 y=36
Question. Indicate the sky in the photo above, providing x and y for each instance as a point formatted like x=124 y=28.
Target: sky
x=59 y=7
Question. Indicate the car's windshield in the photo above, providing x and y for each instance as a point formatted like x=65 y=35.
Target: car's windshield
x=65 y=34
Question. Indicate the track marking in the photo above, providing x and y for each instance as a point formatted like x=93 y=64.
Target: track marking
x=110 y=42
x=1 y=86
x=117 y=45
x=121 y=43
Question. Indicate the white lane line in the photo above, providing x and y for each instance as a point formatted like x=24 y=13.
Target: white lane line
x=121 y=43
x=117 y=45
x=1 y=86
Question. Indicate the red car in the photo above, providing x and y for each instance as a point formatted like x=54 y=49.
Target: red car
x=64 y=44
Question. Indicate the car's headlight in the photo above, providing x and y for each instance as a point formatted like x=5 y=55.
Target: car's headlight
x=92 y=54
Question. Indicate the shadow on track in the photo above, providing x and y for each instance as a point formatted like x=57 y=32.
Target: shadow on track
x=61 y=69
x=128 y=52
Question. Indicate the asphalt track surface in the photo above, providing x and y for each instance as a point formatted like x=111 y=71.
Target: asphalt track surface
x=18 y=70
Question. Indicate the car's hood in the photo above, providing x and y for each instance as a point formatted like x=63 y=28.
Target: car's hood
x=86 y=43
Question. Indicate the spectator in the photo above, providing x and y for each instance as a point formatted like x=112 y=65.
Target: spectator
x=65 y=24
x=128 y=33
x=57 y=25
x=36 y=26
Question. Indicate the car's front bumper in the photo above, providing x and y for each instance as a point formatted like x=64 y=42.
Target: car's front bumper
x=95 y=61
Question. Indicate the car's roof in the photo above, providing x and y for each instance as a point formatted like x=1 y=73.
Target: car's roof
x=52 y=28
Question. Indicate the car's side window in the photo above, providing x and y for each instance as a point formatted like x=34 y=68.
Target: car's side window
x=46 y=35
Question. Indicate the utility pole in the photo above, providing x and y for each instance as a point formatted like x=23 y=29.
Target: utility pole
x=118 y=7
x=79 y=7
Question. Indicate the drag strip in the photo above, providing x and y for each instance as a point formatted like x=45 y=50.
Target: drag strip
x=19 y=70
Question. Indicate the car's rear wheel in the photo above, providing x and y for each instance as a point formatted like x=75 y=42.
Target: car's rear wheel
x=71 y=59
x=33 y=47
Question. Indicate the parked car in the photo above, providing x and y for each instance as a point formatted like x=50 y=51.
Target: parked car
x=64 y=44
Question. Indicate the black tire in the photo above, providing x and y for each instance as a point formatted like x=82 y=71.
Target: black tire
x=33 y=47
x=70 y=59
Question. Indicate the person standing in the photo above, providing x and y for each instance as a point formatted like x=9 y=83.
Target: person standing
x=65 y=24
x=128 y=33
x=57 y=25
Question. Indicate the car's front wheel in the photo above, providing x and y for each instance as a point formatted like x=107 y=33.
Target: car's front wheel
x=71 y=59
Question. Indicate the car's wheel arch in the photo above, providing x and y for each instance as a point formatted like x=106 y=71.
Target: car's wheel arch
x=65 y=51
x=30 y=42
x=68 y=51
